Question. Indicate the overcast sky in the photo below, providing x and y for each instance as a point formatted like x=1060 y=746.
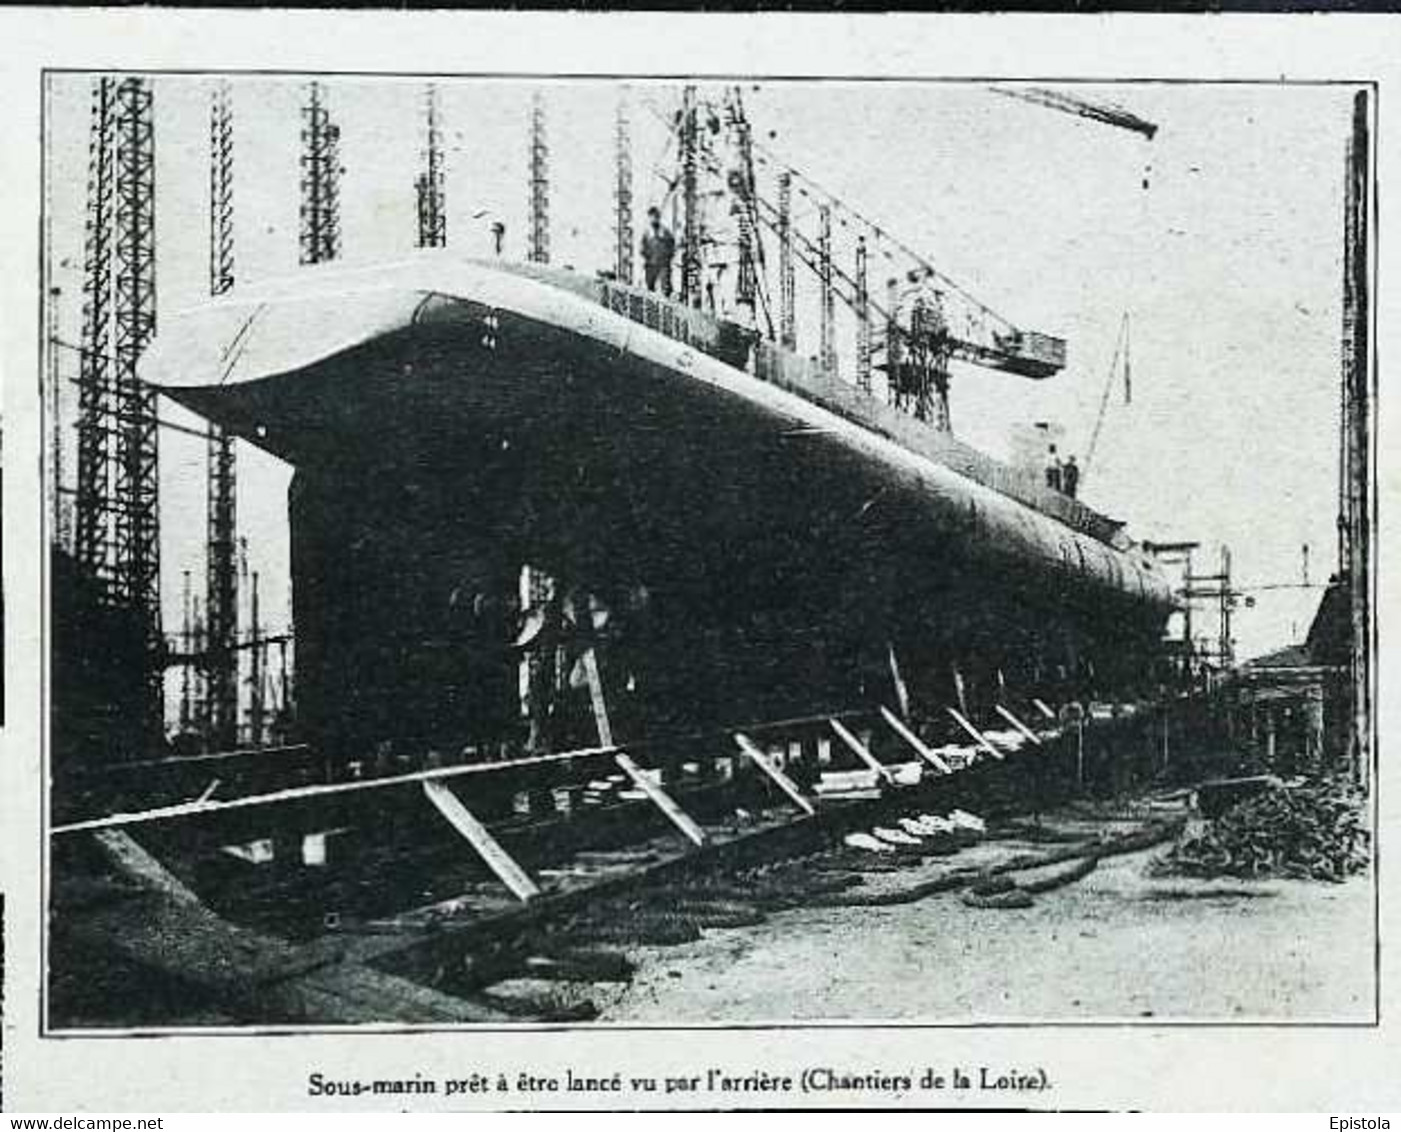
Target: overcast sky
x=1229 y=260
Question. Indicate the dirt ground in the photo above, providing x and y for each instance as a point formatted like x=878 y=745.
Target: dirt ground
x=1115 y=946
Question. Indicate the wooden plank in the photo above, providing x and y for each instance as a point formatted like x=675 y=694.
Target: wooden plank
x=860 y=750
x=182 y=810
x=902 y=692
x=479 y=837
x=786 y=784
x=138 y=866
x=1018 y=724
x=258 y=978
x=1042 y=707
x=977 y=736
x=327 y=790
x=898 y=726
x=600 y=705
x=661 y=799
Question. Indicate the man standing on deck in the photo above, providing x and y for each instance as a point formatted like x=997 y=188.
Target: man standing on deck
x=1053 y=473
x=1070 y=477
x=658 y=247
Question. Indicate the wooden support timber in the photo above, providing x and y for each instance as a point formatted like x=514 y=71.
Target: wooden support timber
x=661 y=799
x=784 y=783
x=898 y=726
x=139 y=867
x=596 y=698
x=860 y=750
x=976 y=735
x=325 y=791
x=640 y=778
x=479 y=837
x=1018 y=724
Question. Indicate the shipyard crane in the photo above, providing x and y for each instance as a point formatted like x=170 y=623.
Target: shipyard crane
x=927 y=320
x=1110 y=115
x=1106 y=112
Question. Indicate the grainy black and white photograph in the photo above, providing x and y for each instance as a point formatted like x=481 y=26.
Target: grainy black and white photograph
x=617 y=551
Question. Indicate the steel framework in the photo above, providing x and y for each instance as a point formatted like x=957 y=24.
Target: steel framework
x=622 y=191
x=321 y=174
x=827 y=356
x=118 y=489
x=134 y=319
x=787 y=284
x=430 y=185
x=221 y=507
x=690 y=200
x=97 y=405
x=863 y=318
x=539 y=248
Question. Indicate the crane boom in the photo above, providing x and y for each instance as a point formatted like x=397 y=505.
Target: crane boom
x=972 y=337
x=1105 y=112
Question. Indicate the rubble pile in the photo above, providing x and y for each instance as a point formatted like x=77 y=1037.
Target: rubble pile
x=1315 y=831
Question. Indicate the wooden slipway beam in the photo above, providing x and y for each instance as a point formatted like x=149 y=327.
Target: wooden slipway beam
x=662 y=800
x=479 y=837
x=921 y=748
x=1019 y=725
x=860 y=750
x=976 y=735
x=786 y=784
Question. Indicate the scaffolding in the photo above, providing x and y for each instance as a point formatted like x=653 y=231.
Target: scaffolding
x=97 y=406
x=221 y=244
x=1356 y=498
x=221 y=516
x=827 y=355
x=863 y=319
x=321 y=174
x=118 y=490
x=787 y=284
x=690 y=200
x=622 y=192
x=539 y=248
x=430 y=185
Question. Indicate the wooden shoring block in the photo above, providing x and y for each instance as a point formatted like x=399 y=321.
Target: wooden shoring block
x=784 y=783
x=976 y=735
x=661 y=799
x=1007 y=714
x=479 y=837
x=861 y=751
x=898 y=726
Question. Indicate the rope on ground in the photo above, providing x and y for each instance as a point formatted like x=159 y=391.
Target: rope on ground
x=1087 y=856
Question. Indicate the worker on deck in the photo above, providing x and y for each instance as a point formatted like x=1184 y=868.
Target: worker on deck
x=1053 y=471
x=1070 y=477
x=658 y=248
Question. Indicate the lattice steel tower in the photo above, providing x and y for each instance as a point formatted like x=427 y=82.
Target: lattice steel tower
x=221 y=514
x=430 y=185
x=321 y=175
x=863 y=319
x=787 y=285
x=539 y=248
x=98 y=423
x=622 y=191
x=118 y=531
x=827 y=356
x=690 y=200
x=134 y=317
